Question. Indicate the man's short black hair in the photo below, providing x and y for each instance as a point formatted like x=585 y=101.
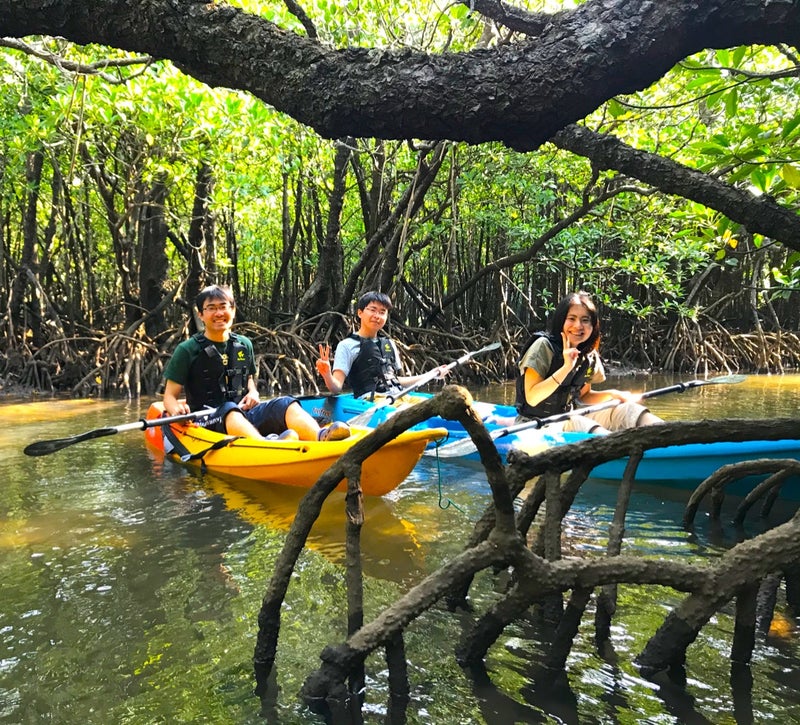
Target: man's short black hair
x=214 y=292
x=380 y=297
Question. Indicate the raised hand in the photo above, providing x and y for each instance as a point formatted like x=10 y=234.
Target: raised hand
x=570 y=353
x=324 y=363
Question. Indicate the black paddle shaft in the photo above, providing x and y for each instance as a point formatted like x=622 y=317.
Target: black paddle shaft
x=44 y=448
x=466 y=445
x=433 y=374
x=677 y=388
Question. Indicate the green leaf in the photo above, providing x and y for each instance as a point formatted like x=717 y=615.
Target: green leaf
x=759 y=179
x=713 y=149
x=791 y=175
x=714 y=98
x=732 y=103
x=615 y=108
x=789 y=127
x=702 y=78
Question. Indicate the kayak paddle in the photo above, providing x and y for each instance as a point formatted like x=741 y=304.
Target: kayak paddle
x=465 y=446
x=43 y=448
x=364 y=417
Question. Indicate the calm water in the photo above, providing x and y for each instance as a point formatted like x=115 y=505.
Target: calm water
x=131 y=586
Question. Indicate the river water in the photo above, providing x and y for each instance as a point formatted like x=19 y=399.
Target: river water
x=131 y=587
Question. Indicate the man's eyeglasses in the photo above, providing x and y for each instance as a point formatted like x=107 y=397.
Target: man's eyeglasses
x=382 y=311
x=217 y=308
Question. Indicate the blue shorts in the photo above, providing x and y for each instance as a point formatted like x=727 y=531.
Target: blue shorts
x=268 y=417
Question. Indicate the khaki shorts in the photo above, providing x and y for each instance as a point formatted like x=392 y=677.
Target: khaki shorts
x=620 y=417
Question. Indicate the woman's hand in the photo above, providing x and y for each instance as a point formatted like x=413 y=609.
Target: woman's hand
x=625 y=396
x=571 y=355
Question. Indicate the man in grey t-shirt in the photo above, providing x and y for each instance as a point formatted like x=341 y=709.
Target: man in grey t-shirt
x=366 y=361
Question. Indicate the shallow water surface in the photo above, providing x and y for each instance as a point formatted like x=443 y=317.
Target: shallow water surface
x=131 y=587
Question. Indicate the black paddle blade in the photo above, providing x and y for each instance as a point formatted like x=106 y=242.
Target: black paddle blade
x=44 y=448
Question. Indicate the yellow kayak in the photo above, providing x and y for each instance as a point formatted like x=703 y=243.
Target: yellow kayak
x=295 y=463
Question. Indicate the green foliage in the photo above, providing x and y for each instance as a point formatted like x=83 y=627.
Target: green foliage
x=730 y=113
x=788 y=277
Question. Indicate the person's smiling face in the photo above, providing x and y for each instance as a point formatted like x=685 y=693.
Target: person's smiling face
x=373 y=317
x=577 y=325
x=217 y=316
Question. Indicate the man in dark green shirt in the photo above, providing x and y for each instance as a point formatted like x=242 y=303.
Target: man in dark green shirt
x=217 y=368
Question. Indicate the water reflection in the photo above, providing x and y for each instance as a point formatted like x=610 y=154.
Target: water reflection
x=131 y=588
x=390 y=544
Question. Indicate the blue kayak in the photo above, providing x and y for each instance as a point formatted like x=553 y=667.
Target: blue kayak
x=344 y=407
x=682 y=466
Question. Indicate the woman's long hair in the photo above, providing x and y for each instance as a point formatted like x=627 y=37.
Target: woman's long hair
x=560 y=317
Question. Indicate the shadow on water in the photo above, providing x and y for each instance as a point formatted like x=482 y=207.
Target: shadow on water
x=497 y=706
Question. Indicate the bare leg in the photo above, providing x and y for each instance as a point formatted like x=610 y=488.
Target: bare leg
x=297 y=419
x=648 y=418
x=237 y=425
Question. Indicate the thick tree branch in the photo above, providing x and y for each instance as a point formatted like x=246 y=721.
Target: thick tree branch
x=518 y=94
x=760 y=214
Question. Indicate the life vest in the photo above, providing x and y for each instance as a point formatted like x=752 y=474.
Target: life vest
x=213 y=380
x=375 y=368
x=564 y=397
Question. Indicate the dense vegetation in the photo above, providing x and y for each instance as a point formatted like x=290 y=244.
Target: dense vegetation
x=476 y=161
x=125 y=186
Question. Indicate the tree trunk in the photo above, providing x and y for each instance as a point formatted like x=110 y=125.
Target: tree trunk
x=201 y=238
x=25 y=317
x=290 y=231
x=153 y=263
x=326 y=290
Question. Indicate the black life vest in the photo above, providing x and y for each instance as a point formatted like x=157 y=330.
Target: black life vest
x=564 y=397
x=375 y=368
x=213 y=380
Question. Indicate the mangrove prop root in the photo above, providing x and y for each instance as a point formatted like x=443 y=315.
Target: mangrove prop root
x=500 y=542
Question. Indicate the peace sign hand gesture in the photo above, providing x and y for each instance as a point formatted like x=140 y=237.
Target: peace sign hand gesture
x=570 y=353
x=324 y=362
